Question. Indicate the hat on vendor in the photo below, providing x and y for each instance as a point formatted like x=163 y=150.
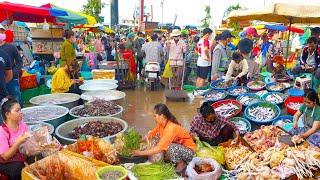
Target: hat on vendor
x=225 y=35
x=252 y=32
x=245 y=45
x=175 y=33
x=130 y=35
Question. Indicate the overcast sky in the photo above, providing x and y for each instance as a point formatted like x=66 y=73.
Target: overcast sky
x=188 y=11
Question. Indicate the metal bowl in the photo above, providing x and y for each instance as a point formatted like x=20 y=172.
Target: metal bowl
x=64 y=129
x=68 y=100
x=101 y=81
x=110 y=95
x=38 y=114
x=72 y=114
x=33 y=126
x=97 y=87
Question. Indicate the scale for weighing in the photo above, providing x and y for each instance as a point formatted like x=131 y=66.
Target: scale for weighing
x=303 y=82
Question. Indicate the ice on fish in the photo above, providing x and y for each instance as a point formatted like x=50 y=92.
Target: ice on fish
x=262 y=113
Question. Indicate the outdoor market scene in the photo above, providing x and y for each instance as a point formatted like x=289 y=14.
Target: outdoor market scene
x=160 y=90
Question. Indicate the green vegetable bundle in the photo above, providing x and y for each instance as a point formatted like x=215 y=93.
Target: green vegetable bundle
x=204 y=150
x=155 y=171
x=132 y=141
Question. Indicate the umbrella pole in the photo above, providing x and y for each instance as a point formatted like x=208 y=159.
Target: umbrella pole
x=288 y=41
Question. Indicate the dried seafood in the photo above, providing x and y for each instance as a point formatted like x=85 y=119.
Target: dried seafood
x=98 y=108
x=95 y=148
x=97 y=129
x=263 y=138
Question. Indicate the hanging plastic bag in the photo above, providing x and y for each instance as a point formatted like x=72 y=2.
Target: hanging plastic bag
x=193 y=174
x=167 y=73
x=204 y=150
x=39 y=142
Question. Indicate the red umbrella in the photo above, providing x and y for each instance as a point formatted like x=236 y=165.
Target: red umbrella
x=295 y=29
x=25 y=13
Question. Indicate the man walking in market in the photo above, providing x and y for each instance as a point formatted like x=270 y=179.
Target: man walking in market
x=220 y=59
x=13 y=86
x=139 y=41
x=176 y=48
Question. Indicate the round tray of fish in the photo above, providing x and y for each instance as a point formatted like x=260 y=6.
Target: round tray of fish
x=274 y=97
x=248 y=99
x=262 y=112
x=215 y=95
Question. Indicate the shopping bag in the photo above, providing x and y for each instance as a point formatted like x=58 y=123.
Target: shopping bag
x=167 y=73
x=193 y=174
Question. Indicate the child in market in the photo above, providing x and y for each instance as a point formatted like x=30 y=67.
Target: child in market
x=245 y=47
x=238 y=68
x=278 y=70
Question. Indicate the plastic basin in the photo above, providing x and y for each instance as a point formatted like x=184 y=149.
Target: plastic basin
x=237 y=87
x=264 y=97
x=249 y=85
x=73 y=116
x=112 y=168
x=64 y=129
x=98 y=87
x=108 y=95
x=227 y=101
x=33 y=126
x=235 y=119
x=295 y=92
x=253 y=95
x=271 y=90
x=294 y=99
x=38 y=114
x=264 y=103
x=208 y=98
x=214 y=83
x=68 y=100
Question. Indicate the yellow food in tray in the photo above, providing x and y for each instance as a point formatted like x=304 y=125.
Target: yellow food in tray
x=63 y=165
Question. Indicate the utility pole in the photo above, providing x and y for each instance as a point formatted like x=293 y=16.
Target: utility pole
x=162 y=13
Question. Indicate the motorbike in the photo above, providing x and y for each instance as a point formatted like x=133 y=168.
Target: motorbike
x=152 y=74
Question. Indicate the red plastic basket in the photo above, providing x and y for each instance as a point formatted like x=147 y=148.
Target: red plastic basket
x=227 y=101
x=295 y=99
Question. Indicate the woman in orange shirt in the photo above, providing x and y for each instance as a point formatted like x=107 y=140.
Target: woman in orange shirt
x=175 y=141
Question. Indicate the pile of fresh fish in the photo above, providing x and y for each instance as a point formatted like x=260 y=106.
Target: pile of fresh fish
x=237 y=91
x=294 y=105
x=224 y=84
x=262 y=113
x=256 y=85
x=277 y=87
x=261 y=93
x=215 y=96
x=247 y=100
x=274 y=98
x=242 y=126
x=226 y=110
x=281 y=123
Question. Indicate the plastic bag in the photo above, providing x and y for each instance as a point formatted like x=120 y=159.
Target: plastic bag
x=193 y=175
x=167 y=73
x=39 y=142
x=204 y=150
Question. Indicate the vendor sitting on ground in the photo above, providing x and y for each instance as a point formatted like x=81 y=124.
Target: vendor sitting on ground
x=278 y=71
x=238 y=68
x=212 y=129
x=310 y=59
x=13 y=133
x=175 y=141
x=310 y=114
x=64 y=80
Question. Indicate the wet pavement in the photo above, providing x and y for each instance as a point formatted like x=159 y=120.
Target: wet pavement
x=139 y=104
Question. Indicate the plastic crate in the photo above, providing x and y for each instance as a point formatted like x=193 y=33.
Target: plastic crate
x=29 y=93
x=43 y=89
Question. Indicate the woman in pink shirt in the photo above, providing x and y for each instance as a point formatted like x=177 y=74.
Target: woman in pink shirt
x=13 y=133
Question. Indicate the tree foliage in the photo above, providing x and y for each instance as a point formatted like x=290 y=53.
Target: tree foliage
x=230 y=9
x=207 y=19
x=93 y=8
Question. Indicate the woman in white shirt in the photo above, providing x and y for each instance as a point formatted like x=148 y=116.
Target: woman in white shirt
x=238 y=68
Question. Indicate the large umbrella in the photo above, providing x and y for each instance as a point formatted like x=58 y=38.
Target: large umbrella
x=72 y=17
x=282 y=13
x=25 y=13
